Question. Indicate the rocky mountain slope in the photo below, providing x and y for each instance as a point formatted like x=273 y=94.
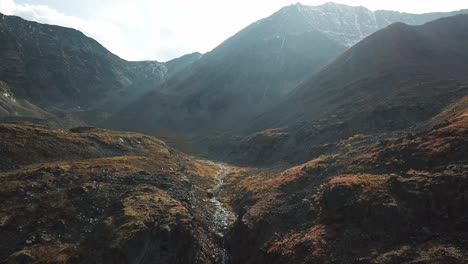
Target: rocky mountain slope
x=97 y=196
x=11 y=106
x=257 y=67
x=62 y=71
x=396 y=200
x=397 y=78
x=350 y=24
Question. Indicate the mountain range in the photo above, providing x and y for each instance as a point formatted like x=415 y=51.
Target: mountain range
x=61 y=71
x=395 y=79
x=320 y=134
x=258 y=67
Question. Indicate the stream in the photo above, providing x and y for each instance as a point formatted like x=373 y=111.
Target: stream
x=222 y=217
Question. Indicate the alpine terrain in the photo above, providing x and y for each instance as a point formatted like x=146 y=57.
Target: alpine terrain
x=320 y=134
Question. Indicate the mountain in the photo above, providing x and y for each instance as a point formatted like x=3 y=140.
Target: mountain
x=395 y=79
x=254 y=69
x=377 y=137
x=60 y=76
x=50 y=64
x=350 y=24
x=411 y=60
x=61 y=70
x=257 y=68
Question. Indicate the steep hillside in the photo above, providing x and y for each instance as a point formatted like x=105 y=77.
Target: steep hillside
x=54 y=65
x=61 y=71
x=257 y=67
x=397 y=200
x=254 y=68
x=11 y=106
x=399 y=77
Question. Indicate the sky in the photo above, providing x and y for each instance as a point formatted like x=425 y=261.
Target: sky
x=165 y=29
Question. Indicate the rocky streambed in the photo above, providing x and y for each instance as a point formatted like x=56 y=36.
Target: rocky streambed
x=222 y=218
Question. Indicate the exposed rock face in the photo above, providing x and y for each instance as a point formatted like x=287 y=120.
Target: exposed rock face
x=12 y=106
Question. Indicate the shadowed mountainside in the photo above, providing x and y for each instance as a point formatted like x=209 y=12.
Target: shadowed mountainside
x=63 y=71
x=257 y=68
x=395 y=79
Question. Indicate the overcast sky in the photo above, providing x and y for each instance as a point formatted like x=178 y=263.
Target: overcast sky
x=165 y=29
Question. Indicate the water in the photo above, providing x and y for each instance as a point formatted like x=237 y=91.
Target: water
x=222 y=217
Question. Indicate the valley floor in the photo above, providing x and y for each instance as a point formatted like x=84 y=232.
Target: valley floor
x=91 y=195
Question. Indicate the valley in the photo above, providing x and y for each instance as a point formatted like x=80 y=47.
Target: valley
x=320 y=134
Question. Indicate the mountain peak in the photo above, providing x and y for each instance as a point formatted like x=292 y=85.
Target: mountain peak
x=337 y=6
x=292 y=7
x=332 y=4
